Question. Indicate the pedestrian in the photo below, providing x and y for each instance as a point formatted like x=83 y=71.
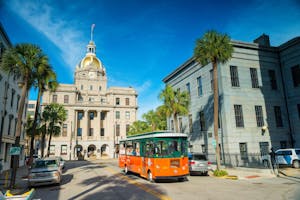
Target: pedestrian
x=273 y=161
x=272 y=156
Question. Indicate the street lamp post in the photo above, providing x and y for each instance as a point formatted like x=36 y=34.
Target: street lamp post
x=115 y=129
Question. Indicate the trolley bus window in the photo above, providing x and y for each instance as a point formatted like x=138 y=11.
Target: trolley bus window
x=122 y=148
x=136 y=149
x=183 y=147
x=173 y=146
x=149 y=150
x=129 y=148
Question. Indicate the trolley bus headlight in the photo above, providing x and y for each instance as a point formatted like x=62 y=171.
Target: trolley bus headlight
x=157 y=166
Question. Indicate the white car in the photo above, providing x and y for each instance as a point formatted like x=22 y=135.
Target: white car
x=289 y=157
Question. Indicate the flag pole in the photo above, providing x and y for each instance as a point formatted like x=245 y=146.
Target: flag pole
x=92 y=30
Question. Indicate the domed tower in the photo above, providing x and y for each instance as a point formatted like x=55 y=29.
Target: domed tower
x=90 y=75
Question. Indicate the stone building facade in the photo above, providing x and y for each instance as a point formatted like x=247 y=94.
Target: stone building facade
x=259 y=101
x=97 y=116
x=9 y=104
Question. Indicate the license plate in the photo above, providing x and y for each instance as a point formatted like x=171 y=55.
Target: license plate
x=175 y=163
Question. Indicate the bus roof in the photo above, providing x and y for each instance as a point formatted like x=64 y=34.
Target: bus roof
x=156 y=134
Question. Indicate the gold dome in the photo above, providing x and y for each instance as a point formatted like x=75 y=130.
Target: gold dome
x=90 y=61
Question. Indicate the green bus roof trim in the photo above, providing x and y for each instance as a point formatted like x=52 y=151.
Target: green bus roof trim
x=149 y=133
x=154 y=134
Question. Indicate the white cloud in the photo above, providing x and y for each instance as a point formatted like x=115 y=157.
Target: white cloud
x=144 y=87
x=60 y=31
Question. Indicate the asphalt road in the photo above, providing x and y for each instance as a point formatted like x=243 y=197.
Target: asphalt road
x=104 y=180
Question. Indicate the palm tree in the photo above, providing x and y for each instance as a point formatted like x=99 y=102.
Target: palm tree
x=214 y=48
x=21 y=60
x=175 y=103
x=46 y=78
x=54 y=114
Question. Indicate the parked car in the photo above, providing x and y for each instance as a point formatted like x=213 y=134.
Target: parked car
x=45 y=171
x=198 y=164
x=288 y=157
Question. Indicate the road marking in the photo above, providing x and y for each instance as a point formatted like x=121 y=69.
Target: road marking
x=140 y=185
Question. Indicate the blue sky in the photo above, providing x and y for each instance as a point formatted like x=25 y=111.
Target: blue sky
x=140 y=41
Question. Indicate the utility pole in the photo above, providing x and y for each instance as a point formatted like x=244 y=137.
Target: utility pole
x=115 y=127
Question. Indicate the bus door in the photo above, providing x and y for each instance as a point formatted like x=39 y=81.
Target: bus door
x=122 y=155
x=144 y=158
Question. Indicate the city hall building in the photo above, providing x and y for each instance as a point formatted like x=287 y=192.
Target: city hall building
x=97 y=116
x=259 y=101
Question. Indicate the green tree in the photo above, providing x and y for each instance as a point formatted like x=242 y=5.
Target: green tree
x=162 y=118
x=21 y=61
x=151 y=118
x=45 y=79
x=138 y=127
x=214 y=48
x=54 y=115
x=175 y=103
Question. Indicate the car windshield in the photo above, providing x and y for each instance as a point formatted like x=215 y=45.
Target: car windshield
x=297 y=152
x=198 y=157
x=45 y=163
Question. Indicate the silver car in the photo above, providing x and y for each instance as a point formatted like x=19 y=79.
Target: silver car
x=198 y=164
x=44 y=172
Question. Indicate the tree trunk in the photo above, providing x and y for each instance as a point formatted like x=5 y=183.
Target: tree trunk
x=15 y=158
x=216 y=112
x=176 y=123
x=50 y=137
x=34 y=126
x=49 y=143
x=43 y=144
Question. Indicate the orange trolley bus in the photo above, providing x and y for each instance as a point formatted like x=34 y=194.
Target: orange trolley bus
x=155 y=155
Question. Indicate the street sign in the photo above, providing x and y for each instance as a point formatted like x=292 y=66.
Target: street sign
x=214 y=143
x=15 y=151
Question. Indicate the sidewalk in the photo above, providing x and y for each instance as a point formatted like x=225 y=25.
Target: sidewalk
x=21 y=180
x=244 y=173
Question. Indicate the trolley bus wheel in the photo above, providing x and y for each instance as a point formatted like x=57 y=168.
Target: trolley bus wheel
x=150 y=177
x=125 y=170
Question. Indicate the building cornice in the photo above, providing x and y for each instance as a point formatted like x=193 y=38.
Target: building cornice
x=289 y=43
x=8 y=42
x=237 y=44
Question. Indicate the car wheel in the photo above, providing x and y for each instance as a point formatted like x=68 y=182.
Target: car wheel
x=266 y=164
x=150 y=177
x=296 y=164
